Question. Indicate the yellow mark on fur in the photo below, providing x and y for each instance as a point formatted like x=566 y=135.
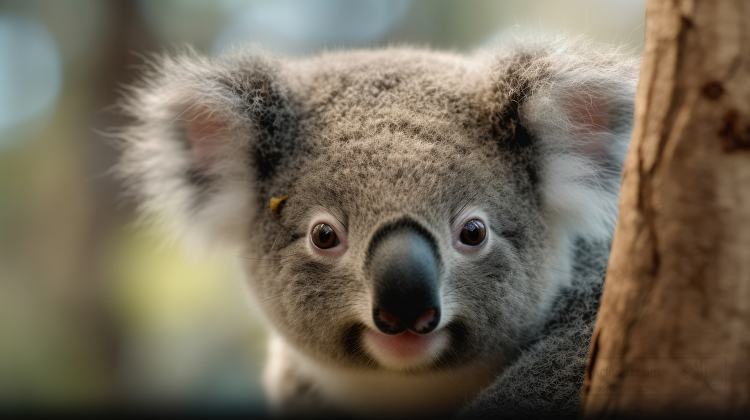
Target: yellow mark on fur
x=275 y=202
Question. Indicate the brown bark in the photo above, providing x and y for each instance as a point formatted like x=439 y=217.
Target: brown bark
x=673 y=333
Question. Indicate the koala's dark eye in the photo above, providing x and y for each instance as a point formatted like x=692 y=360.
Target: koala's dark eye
x=473 y=233
x=323 y=236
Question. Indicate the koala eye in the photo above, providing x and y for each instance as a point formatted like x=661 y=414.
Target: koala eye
x=323 y=236
x=473 y=233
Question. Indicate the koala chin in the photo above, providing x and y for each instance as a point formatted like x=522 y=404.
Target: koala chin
x=425 y=232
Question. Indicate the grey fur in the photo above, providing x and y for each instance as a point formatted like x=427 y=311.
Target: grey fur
x=546 y=379
x=400 y=135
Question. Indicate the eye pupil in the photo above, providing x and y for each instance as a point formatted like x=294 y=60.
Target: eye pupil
x=473 y=233
x=323 y=236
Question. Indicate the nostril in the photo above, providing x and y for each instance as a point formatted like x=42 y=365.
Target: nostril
x=387 y=322
x=426 y=322
x=387 y=318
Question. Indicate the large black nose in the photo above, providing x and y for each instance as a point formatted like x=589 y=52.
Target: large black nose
x=405 y=274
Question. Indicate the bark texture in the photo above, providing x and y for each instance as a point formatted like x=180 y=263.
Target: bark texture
x=673 y=332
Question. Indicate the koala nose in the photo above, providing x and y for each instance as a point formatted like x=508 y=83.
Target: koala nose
x=405 y=276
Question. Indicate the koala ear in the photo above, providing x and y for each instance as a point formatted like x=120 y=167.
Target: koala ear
x=203 y=134
x=582 y=115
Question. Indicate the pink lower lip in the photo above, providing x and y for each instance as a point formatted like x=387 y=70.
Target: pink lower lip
x=402 y=346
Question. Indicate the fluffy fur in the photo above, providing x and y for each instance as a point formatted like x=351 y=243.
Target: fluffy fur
x=529 y=137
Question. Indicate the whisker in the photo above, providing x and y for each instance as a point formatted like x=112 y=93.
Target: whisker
x=278 y=223
x=261 y=302
x=532 y=220
x=547 y=268
x=331 y=213
x=257 y=259
x=466 y=203
x=274 y=242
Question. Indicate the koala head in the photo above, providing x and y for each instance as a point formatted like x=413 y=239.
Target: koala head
x=431 y=197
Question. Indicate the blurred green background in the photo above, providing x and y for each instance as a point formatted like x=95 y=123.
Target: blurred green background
x=96 y=311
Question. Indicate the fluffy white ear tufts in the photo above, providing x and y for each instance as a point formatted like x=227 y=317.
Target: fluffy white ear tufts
x=185 y=157
x=591 y=127
x=582 y=116
x=206 y=131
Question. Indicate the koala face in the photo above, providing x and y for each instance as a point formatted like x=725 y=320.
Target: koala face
x=398 y=213
x=431 y=197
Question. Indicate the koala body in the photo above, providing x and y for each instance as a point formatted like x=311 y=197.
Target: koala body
x=446 y=230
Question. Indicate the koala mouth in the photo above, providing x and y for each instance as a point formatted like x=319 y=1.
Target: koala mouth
x=406 y=349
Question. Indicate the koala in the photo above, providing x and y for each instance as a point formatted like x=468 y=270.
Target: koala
x=426 y=233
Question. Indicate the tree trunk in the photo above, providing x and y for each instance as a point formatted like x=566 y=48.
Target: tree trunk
x=673 y=332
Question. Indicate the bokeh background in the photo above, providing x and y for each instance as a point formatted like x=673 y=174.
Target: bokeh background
x=96 y=311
